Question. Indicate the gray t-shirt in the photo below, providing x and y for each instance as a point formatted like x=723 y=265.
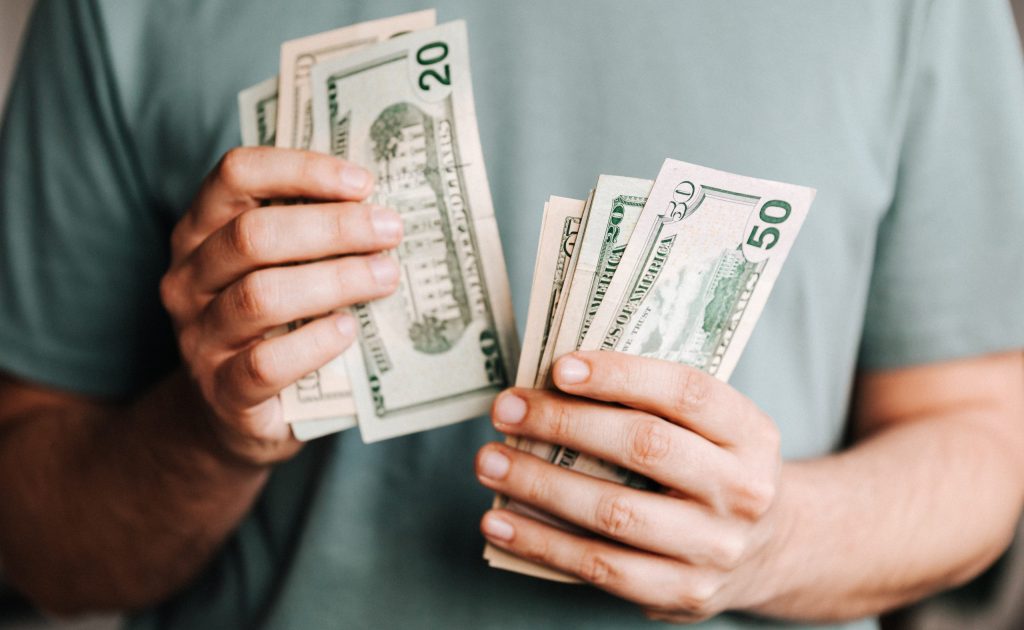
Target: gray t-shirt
x=908 y=117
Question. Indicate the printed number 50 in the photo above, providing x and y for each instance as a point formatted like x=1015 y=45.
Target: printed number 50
x=429 y=55
x=774 y=211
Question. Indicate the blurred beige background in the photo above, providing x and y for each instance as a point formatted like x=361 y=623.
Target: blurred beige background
x=1018 y=9
x=13 y=14
x=1003 y=607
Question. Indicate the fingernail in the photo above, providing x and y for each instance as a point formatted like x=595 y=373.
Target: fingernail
x=572 y=371
x=354 y=178
x=494 y=465
x=346 y=325
x=509 y=409
x=387 y=224
x=497 y=527
x=384 y=270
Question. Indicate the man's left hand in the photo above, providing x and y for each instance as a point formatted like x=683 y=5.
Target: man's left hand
x=683 y=554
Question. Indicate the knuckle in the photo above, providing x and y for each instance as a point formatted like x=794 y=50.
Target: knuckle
x=620 y=372
x=648 y=443
x=559 y=421
x=753 y=497
x=170 y=292
x=698 y=597
x=258 y=366
x=253 y=299
x=320 y=170
x=251 y=236
x=339 y=225
x=596 y=568
x=693 y=389
x=616 y=516
x=538 y=549
x=349 y=279
x=538 y=489
x=234 y=167
x=728 y=550
x=328 y=341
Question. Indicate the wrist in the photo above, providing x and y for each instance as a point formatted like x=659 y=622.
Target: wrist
x=219 y=441
x=772 y=569
x=229 y=447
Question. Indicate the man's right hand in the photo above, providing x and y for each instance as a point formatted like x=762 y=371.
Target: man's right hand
x=239 y=269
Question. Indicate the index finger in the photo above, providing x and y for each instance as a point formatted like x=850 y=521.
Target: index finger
x=247 y=176
x=678 y=393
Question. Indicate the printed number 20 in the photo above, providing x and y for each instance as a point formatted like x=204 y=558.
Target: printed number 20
x=769 y=236
x=428 y=55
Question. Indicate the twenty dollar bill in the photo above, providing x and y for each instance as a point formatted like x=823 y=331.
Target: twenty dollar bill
x=440 y=348
x=257 y=113
x=298 y=56
x=321 y=402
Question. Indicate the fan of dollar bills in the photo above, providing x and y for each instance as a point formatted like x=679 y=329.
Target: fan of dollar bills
x=394 y=95
x=678 y=268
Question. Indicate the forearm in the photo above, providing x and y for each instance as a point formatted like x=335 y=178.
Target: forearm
x=915 y=508
x=116 y=507
x=120 y=506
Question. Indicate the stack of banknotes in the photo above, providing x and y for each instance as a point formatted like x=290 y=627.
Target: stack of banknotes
x=394 y=95
x=678 y=268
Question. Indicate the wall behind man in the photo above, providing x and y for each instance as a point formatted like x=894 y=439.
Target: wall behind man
x=14 y=613
x=1018 y=9
x=13 y=15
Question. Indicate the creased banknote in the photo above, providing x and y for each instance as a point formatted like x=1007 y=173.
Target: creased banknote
x=258 y=118
x=551 y=328
x=257 y=113
x=560 y=228
x=614 y=211
x=298 y=56
x=439 y=349
x=559 y=236
x=320 y=403
x=701 y=263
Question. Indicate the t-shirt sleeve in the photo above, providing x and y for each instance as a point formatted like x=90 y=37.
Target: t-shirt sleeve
x=81 y=248
x=948 y=280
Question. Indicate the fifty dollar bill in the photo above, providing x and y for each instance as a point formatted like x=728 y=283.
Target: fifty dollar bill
x=701 y=263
